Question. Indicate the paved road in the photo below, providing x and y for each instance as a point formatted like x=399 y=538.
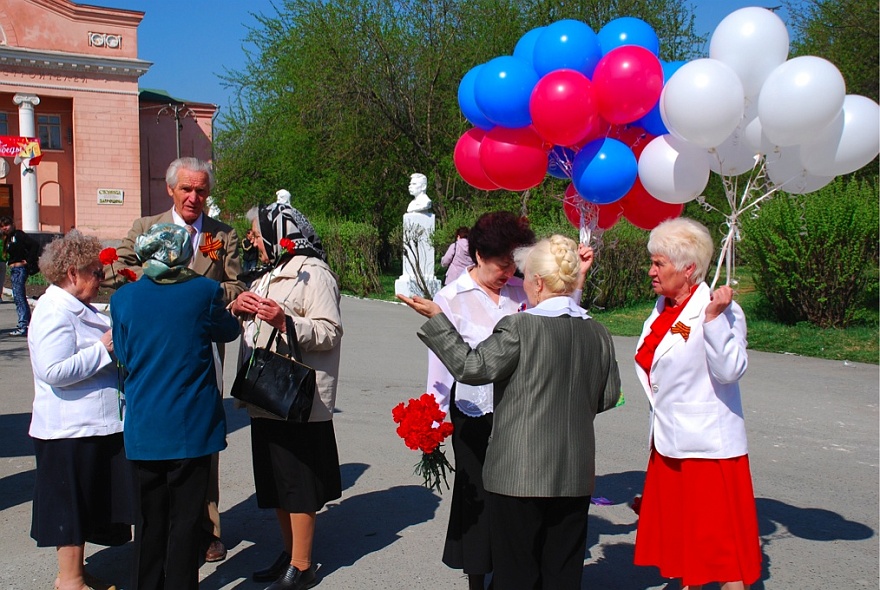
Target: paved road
x=813 y=428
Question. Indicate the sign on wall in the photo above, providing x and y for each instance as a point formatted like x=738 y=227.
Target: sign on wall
x=110 y=196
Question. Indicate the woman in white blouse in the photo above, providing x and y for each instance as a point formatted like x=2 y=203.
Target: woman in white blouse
x=84 y=483
x=474 y=303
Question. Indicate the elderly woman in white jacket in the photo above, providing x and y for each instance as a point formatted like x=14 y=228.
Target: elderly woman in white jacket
x=697 y=518
x=84 y=483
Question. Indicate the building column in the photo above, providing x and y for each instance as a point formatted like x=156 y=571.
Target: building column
x=30 y=209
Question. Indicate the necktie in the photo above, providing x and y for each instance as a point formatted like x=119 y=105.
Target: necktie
x=192 y=236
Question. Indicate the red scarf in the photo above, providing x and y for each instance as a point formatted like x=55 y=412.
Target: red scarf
x=661 y=325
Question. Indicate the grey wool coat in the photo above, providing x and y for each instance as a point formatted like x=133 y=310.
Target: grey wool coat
x=552 y=376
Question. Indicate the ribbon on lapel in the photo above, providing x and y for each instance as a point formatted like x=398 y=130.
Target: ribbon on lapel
x=680 y=328
x=210 y=247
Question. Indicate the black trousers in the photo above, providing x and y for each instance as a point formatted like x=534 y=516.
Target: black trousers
x=168 y=532
x=538 y=543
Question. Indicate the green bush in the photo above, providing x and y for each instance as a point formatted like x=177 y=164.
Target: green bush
x=352 y=252
x=814 y=256
x=619 y=277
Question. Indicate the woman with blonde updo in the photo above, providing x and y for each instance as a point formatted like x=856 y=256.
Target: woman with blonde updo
x=554 y=369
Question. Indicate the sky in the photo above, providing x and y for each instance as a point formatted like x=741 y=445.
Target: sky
x=189 y=47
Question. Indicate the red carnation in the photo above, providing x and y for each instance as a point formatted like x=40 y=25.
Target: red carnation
x=128 y=274
x=288 y=245
x=422 y=428
x=108 y=256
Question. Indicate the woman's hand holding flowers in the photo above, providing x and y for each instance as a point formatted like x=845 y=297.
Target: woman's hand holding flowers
x=261 y=308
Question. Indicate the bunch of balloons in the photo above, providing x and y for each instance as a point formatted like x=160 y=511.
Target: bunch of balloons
x=573 y=104
x=639 y=137
x=748 y=107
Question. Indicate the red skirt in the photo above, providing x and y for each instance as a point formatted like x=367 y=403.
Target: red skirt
x=698 y=522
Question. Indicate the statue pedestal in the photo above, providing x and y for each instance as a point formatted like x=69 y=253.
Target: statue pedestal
x=418 y=256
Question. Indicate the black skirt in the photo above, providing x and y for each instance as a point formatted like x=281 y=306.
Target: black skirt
x=84 y=492
x=296 y=466
x=467 y=537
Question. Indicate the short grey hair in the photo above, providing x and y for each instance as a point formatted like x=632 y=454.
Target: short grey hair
x=684 y=242
x=191 y=164
x=74 y=250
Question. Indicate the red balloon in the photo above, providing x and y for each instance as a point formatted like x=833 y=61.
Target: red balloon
x=467 y=160
x=514 y=159
x=644 y=211
x=608 y=214
x=599 y=129
x=628 y=81
x=563 y=107
x=635 y=137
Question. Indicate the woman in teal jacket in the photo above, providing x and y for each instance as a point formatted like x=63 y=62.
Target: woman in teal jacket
x=163 y=329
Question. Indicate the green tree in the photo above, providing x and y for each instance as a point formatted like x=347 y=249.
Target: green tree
x=342 y=100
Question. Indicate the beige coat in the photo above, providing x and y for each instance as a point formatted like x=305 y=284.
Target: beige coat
x=309 y=292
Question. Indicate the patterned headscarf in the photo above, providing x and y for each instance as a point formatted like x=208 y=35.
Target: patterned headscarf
x=279 y=221
x=164 y=251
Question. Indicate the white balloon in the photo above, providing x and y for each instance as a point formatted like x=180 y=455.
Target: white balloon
x=754 y=135
x=673 y=170
x=851 y=141
x=702 y=102
x=736 y=155
x=799 y=98
x=787 y=172
x=753 y=41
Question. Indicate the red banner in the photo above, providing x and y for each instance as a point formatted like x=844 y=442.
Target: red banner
x=23 y=148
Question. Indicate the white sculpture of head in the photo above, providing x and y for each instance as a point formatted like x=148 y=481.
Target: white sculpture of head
x=418 y=184
x=283 y=197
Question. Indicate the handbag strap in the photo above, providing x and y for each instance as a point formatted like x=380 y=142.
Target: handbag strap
x=292 y=340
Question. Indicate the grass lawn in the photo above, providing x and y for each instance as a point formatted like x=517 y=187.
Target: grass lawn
x=857 y=343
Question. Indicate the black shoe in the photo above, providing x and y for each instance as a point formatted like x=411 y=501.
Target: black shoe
x=294 y=579
x=274 y=571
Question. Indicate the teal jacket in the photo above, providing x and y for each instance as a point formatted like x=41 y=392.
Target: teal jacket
x=162 y=335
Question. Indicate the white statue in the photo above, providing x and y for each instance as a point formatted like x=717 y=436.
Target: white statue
x=213 y=208
x=418 y=185
x=282 y=196
x=418 y=259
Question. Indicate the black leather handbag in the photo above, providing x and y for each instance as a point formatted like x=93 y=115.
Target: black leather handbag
x=280 y=385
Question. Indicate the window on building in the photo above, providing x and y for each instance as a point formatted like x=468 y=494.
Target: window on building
x=4 y=124
x=49 y=131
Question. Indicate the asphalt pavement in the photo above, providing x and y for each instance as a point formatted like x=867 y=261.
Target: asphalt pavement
x=813 y=434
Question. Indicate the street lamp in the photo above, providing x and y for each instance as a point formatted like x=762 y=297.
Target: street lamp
x=179 y=112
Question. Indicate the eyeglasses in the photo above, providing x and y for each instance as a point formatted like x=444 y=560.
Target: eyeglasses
x=98 y=273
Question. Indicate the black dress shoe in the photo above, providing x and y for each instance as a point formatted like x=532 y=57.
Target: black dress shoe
x=274 y=571
x=294 y=579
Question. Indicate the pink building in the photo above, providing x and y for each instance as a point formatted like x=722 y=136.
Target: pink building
x=69 y=75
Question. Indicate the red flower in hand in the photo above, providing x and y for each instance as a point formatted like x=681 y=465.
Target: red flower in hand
x=288 y=245
x=108 y=256
x=128 y=275
x=422 y=428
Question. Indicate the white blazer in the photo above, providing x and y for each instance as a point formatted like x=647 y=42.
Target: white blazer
x=693 y=390
x=75 y=377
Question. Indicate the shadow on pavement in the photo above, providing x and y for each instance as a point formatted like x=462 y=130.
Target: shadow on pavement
x=16 y=442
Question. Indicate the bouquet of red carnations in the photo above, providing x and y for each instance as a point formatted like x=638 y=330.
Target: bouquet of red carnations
x=422 y=429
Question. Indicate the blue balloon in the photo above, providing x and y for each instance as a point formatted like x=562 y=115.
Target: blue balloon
x=653 y=122
x=628 y=30
x=604 y=171
x=525 y=47
x=502 y=91
x=559 y=162
x=569 y=44
x=468 y=104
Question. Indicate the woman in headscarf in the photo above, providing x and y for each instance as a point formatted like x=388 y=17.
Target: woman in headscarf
x=296 y=465
x=163 y=329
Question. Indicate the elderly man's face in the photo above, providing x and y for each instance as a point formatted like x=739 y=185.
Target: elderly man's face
x=190 y=194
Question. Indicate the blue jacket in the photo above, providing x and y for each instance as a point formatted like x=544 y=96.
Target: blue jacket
x=162 y=335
